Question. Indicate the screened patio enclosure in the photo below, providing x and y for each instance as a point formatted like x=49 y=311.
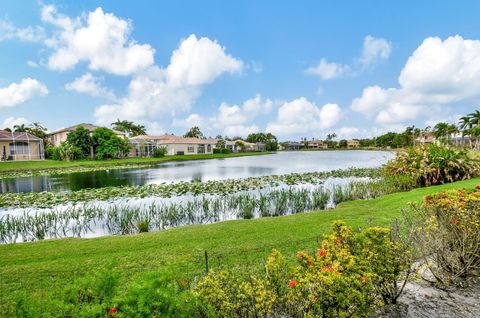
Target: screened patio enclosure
x=15 y=146
x=141 y=148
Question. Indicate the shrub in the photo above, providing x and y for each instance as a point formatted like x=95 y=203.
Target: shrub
x=159 y=152
x=68 y=152
x=350 y=274
x=446 y=232
x=52 y=153
x=108 y=145
x=226 y=151
x=217 y=150
x=434 y=165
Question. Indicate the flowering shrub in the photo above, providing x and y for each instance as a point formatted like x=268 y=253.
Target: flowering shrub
x=348 y=276
x=434 y=165
x=446 y=230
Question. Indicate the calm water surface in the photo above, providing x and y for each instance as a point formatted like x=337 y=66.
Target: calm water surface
x=202 y=170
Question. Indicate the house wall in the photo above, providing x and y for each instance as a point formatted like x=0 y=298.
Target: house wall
x=36 y=151
x=58 y=138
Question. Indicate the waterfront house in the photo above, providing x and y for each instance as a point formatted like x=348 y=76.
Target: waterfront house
x=142 y=146
x=59 y=136
x=353 y=143
x=18 y=146
x=317 y=144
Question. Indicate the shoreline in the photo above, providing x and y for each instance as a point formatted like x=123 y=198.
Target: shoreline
x=20 y=169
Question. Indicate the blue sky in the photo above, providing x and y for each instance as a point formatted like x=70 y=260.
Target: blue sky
x=297 y=69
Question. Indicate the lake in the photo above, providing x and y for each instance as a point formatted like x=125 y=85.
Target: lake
x=202 y=170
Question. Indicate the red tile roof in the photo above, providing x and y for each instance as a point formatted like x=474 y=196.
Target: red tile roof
x=19 y=136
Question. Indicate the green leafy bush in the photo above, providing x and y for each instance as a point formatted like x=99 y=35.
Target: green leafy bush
x=446 y=233
x=69 y=152
x=433 y=165
x=52 y=153
x=159 y=152
x=349 y=276
x=108 y=145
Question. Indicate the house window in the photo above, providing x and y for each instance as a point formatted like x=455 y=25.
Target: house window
x=191 y=148
x=19 y=148
x=201 y=149
x=209 y=148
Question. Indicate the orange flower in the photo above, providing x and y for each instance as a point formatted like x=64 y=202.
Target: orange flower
x=309 y=263
x=327 y=268
x=183 y=282
x=322 y=252
x=477 y=187
x=113 y=310
x=292 y=283
x=454 y=221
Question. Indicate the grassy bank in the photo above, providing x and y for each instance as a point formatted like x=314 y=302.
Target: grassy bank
x=45 y=166
x=33 y=267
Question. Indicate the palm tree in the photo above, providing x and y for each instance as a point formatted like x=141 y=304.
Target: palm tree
x=20 y=128
x=473 y=130
x=474 y=118
x=440 y=131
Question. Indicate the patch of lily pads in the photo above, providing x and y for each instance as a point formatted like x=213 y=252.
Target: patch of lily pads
x=167 y=190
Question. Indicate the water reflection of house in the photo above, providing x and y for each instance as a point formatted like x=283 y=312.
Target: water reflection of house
x=20 y=146
x=143 y=146
x=353 y=143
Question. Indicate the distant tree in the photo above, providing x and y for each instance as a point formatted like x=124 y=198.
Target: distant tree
x=270 y=141
x=129 y=128
x=331 y=136
x=240 y=144
x=194 y=132
x=8 y=129
x=441 y=131
x=20 y=128
x=39 y=131
x=108 y=145
x=221 y=144
x=81 y=139
x=343 y=143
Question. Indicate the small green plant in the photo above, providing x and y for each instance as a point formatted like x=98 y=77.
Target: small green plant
x=159 y=152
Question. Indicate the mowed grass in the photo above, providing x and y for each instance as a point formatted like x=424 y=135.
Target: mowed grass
x=241 y=245
x=11 y=166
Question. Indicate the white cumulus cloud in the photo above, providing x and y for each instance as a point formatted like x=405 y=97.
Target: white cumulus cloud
x=439 y=74
x=8 y=31
x=90 y=85
x=10 y=122
x=301 y=116
x=172 y=90
x=328 y=70
x=17 y=93
x=374 y=50
x=98 y=38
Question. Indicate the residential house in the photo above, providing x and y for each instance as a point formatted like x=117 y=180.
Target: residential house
x=426 y=139
x=317 y=144
x=293 y=145
x=353 y=143
x=20 y=146
x=145 y=145
x=59 y=136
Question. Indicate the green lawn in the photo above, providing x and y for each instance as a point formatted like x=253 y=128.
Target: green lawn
x=18 y=166
x=180 y=252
